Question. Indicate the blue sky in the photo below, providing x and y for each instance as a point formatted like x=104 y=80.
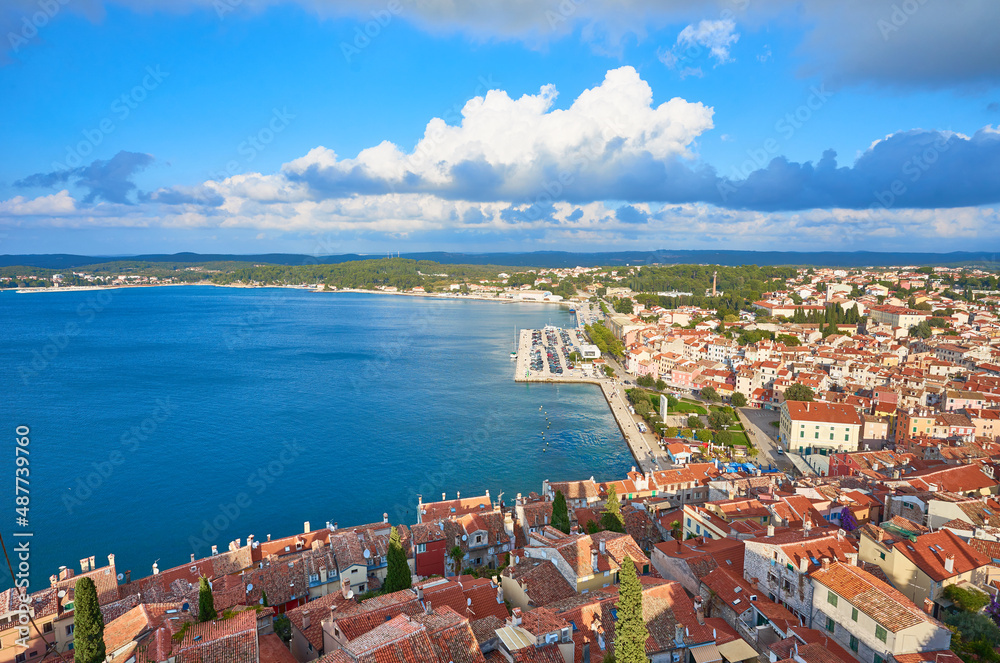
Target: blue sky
x=136 y=126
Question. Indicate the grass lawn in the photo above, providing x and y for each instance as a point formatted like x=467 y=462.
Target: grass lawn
x=740 y=438
x=685 y=407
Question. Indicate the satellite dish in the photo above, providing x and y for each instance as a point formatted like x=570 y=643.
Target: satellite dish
x=261 y=600
x=468 y=601
x=465 y=537
x=62 y=593
x=367 y=553
x=121 y=577
x=517 y=559
x=250 y=587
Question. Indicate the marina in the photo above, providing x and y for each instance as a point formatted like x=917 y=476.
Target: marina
x=543 y=355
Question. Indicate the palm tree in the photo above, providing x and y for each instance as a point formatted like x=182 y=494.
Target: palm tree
x=457 y=555
x=676 y=530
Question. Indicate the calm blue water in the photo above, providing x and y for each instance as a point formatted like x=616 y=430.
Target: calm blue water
x=157 y=411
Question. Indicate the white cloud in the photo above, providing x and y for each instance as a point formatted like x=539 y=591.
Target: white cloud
x=54 y=204
x=717 y=36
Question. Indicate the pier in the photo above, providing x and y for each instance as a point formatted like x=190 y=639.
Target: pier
x=643 y=446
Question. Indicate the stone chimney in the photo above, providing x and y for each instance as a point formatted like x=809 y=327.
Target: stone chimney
x=516 y=616
x=306 y=528
x=593 y=559
x=458 y=494
x=825 y=563
x=305 y=619
x=65 y=573
x=806 y=527
x=427 y=608
x=192 y=558
x=345 y=587
x=385 y=518
x=770 y=530
x=852 y=558
x=678 y=635
x=949 y=563
x=156 y=569
x=602 y=545
x=443 y=498
x=804 y=565
x=929 y=606
x=84 y=564
x=268 y=537
x=574 y=529
x=699 y=611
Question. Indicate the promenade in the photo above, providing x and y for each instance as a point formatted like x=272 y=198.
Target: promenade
x=643 y=446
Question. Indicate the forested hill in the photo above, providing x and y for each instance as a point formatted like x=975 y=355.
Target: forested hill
x=542 y=258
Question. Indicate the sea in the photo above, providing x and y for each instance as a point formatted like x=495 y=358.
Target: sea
x=157 y=422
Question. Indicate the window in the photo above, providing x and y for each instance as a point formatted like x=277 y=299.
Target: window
x=880 y=633
x=854 y=644
x=854 y=616
x=882 y=555
x=878 y=659
x=830 y=624
x=69 y=629
x=47 y=627
x=831 y=598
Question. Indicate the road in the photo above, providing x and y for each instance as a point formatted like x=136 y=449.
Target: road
x=762 y=434
x=643 y=445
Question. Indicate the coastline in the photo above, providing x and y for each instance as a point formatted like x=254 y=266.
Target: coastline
x=433 y=295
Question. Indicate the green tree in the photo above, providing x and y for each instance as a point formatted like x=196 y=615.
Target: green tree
x=263 y=598
x=739 y=400
x=645 y=381
x=397 y=575
x=922 y=330
x=694 y=421
x=283 y=628
x=88 y=638
x=642 y=408
x=206 y=602
x=630 y=627
x=560 y=513
x=457 y=556
x=671 y=431
x=704 y=435
x=798 y=392
x=623 y=305
x=711 y=394
x=717 y=420
x=612 y=518
x=724 y=437
x=660 y=385
x=968 y=600
x=676 y=530
x=592 y=527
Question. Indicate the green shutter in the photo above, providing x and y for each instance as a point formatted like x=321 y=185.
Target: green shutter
x=831 y=598
x=854 y=615
x=880 y=633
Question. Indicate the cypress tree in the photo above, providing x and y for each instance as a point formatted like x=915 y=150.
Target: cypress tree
x=397 y=576
x=560 y=513
x=630 y=627
x=206 y=603
x=88 y=633
x=612 y=518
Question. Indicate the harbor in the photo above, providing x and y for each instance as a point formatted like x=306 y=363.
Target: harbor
x=543 y=355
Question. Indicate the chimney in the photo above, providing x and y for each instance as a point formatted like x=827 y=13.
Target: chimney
x=84 y=565
x=305 y=619
x=92 y=565
x=345 y=587
x=156 y=569
x=305 y=527
x=443 y=497
x=949 y=563
x=804 y=565
x=929 y=607
x=516 y=616
x=593 y=559
x=806 y=528
x=192 y=558
x=385 y=518
x=574 y=529
x=770 y=530
x=128 y=576
x=602 y=545
x=825 y=562
x=679 y=635
x=268 y=537
x=852 y=558
x=215 y=550
x=427 y=608
x=458 y=494
x=65 y=573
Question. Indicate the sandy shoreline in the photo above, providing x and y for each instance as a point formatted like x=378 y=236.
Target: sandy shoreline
x=434 y=295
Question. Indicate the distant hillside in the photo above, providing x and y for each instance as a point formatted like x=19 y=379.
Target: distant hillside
x=544 y=258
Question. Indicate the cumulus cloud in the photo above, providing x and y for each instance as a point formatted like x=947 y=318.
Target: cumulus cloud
x=717 y=36
x=109 y=180
x=52 y=205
